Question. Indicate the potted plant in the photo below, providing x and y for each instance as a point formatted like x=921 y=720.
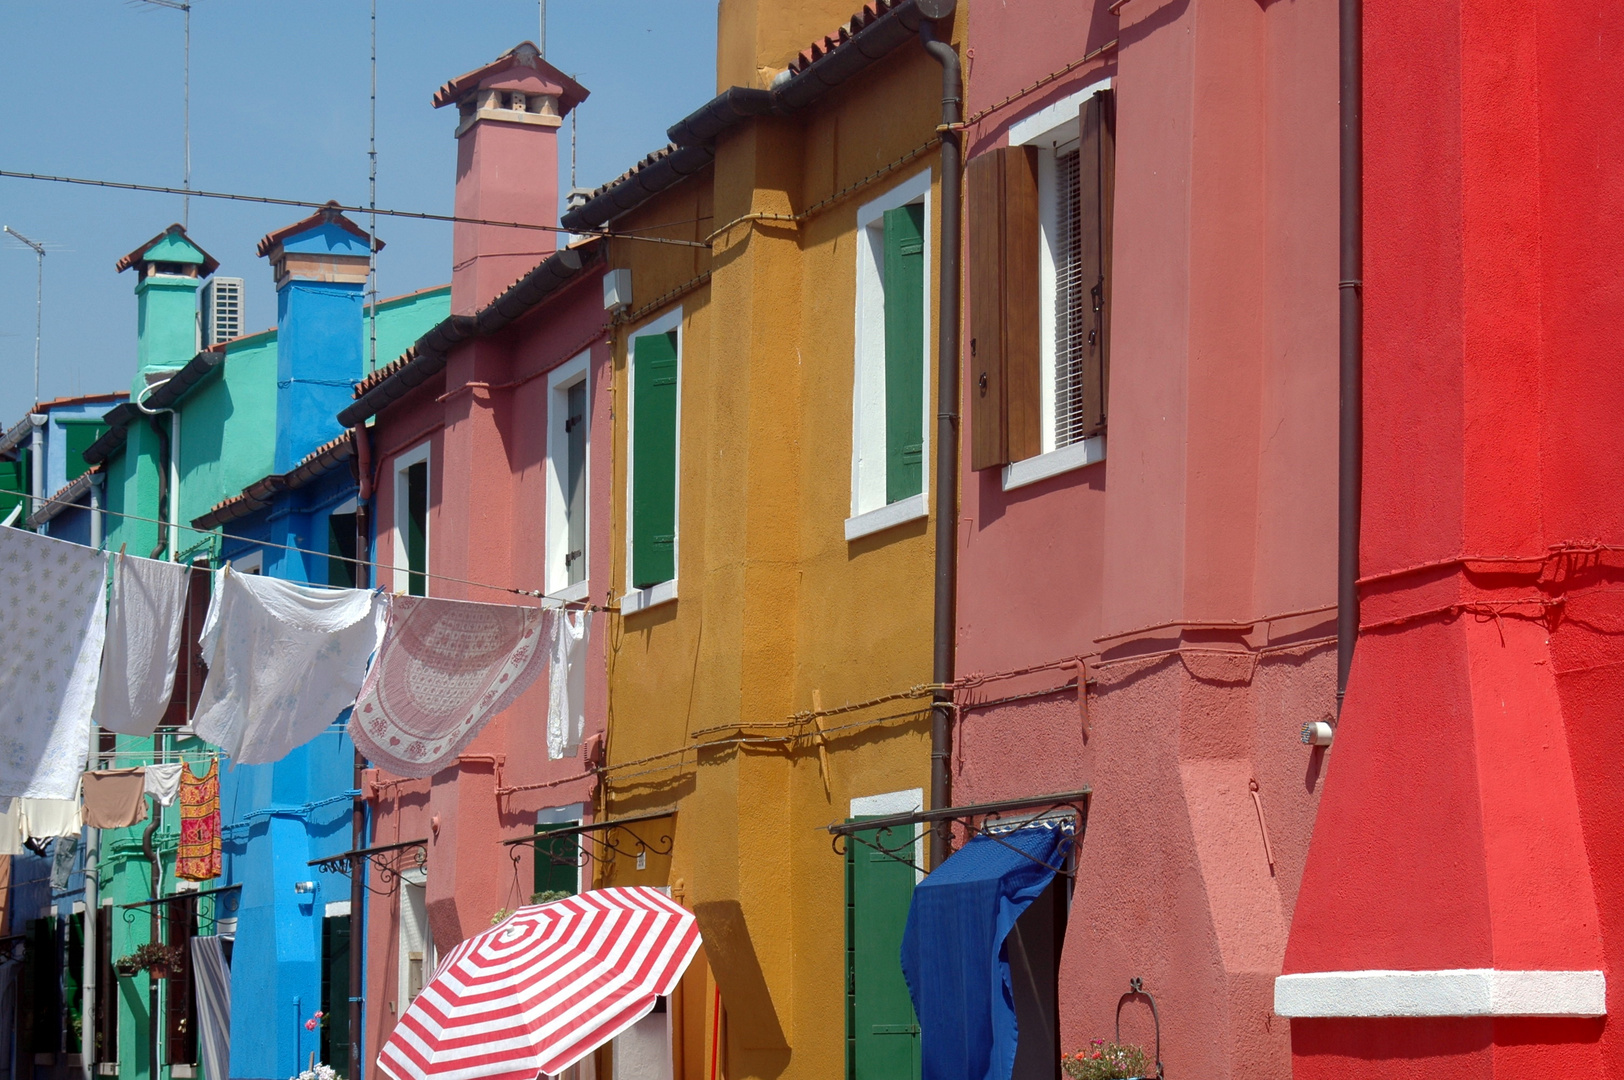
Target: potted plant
x=155 y=959
x=1108 y=1061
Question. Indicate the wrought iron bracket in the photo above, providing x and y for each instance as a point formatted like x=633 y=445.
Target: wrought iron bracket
x=603 y=840
x=989 y=819
x=391 y=861
x=1136 y=991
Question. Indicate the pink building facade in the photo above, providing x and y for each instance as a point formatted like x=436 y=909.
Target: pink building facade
x=1147 y=563
x=488 y=462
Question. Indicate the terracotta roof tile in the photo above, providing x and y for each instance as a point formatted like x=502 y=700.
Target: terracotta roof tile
x=818 y=49
x=328 y=214
x=523 y=55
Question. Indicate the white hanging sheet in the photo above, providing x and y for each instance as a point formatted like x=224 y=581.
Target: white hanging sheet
x=285 y=660
x=145 y=618
x=566 y=683
x=54 y=597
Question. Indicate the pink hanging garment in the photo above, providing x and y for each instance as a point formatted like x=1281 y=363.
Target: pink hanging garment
x=444 y=669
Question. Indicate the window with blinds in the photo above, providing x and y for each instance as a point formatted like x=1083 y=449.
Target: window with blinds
x=1040 y=217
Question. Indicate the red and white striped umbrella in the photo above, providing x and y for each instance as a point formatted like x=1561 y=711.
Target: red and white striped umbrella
x=544 y=988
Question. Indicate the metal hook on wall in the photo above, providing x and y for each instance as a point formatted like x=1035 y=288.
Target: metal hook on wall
x=1136 y=989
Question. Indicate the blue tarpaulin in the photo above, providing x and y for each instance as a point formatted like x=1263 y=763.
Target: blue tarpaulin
x=953 y=952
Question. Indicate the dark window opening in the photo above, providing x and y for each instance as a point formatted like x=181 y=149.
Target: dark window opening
x=180 y=1006
x=335 y=992
x=417 y=528
x=342 y=571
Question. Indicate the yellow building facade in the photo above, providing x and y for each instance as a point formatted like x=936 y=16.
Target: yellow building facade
x=769 y=666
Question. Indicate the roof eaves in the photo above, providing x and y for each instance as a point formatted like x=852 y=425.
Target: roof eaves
x=427 y=357
x=258 y=495
x=873 y=33
x=64 y=499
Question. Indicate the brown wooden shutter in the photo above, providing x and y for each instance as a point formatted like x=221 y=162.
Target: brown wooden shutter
x=190 y=668
x=1005 y=406
x=1096 y=189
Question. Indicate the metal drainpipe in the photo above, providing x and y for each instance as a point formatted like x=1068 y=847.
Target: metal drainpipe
x=947 y=431
x=358 y=828
x=93 y=913
x=1351 y=359
x=36 y=463
x=154 y=931
x=96 y=511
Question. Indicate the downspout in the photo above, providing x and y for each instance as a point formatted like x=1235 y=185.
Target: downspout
x=358 y=821
x=174 y=484
x=947 y=429
x=36 y=462
x=96 y=482
x=155 y=929
x=1351 y=359
x=87 y=1013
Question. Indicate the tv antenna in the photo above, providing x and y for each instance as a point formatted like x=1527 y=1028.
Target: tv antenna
x=39 y=295
x=185 y=8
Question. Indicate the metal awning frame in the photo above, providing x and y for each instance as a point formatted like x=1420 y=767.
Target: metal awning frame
x=606 y=837
x=989 y=819
x=390 y=860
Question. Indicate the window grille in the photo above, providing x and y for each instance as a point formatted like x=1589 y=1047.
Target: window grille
x=1073 y=307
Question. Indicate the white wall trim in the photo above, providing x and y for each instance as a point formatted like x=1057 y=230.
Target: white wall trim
x=336 y=909
x=1454 y=992
x=910 y=509
x=1089 y=451
x=560 y=381
x=868 y=458
x=402 y=576
x=910 y=801
x=638 y=599
x=642 y=599
x=1049 y=124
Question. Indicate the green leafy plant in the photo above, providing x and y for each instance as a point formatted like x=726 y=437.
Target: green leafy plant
x=155 y=959
x=547 y=896
x=1107 y=1061
x=499 y=914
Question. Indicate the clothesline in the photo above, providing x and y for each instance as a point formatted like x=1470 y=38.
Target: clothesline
x=536 y=594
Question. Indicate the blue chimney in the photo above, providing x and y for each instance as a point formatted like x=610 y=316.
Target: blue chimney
x=320 y=266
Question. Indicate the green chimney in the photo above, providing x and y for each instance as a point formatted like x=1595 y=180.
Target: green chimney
x=169 y=268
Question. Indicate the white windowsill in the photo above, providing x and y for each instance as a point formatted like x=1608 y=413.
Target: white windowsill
x=1459 y=992
x=910 y=509
x=572 y=594
x=653 y=596
x=1018 y=474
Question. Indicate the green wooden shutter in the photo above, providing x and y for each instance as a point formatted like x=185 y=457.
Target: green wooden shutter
x=72 y=985
x=335 y=993
x=79 y=438
x=654 y=459
x=557 y=863
x=417 y=528
x=882 y=1033
x=14 y=479
x=904 y=351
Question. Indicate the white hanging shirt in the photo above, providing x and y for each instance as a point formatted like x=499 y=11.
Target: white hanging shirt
x=284 y=661
x=145 y=618
x=54 y=597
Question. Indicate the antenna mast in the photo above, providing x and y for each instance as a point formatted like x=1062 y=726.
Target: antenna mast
x=39 y=294
x=372 y=203
x=185 y=8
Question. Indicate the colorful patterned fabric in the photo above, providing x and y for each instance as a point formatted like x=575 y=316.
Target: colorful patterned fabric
x=444 y=669
x=198 y=858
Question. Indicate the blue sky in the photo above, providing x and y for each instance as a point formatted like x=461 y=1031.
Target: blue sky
x=279 y=107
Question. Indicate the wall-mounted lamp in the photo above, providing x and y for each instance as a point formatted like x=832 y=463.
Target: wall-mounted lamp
x=304 y=886
x=1319 y=733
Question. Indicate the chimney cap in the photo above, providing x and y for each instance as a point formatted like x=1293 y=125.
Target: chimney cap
x=523 y=61
x=170 y=246
x=327 y=215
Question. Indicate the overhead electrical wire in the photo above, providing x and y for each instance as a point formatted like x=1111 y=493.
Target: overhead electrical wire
x=418 y=215
x=535 y=594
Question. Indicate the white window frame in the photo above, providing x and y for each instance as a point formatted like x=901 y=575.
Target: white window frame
x=663 y=592
x=560 y=381
x=397 y=555
x=417 y=878
x=573 y=814
x=911 y=801
x=869 y=511
x=1050 y=129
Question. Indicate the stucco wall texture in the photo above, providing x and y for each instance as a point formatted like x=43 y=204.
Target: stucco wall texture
x=1472 y=818
x=485 y=419
x=1194 y=568
x=776 y=611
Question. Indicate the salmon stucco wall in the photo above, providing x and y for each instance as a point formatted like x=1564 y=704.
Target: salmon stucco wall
x=1163 y=616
